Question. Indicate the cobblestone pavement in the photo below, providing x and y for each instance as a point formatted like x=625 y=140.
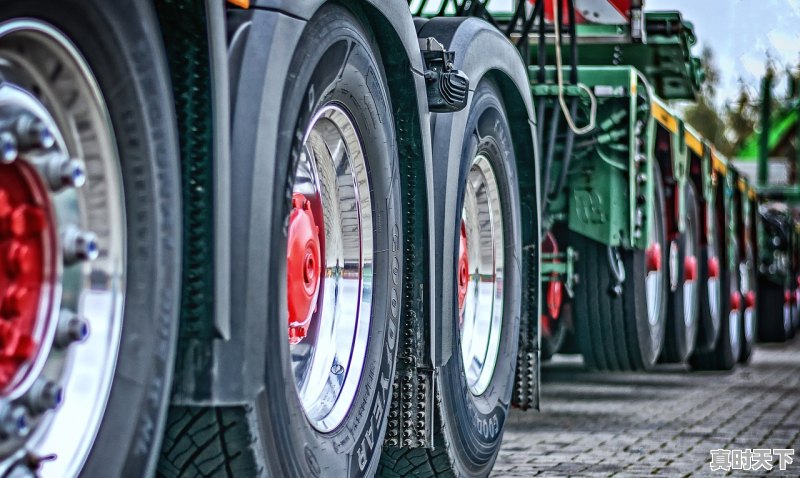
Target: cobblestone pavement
x=661 y=423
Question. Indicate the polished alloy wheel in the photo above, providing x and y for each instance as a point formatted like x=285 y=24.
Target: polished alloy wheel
x=713 y=287
x=329 y=267
x=748 y=298
x=62 y=235
x=735 y=314
x=481 y=255
x=654 y=281
x=690 y=285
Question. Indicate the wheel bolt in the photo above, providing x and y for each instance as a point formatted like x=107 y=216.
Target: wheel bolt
x=79 y=246
x=14 y=422
x=33 y=133
x=70 y=329
x=60 y=171
x=8 y=148
x=44 y=395
x=26 y=221
x=18 y=259
x=13 y=302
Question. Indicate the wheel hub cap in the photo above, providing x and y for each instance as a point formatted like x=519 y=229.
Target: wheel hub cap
x=690 y=268
x=653 y=257
x=25 y=240
x=555 y=289
x=463 y=271
x=302 y=267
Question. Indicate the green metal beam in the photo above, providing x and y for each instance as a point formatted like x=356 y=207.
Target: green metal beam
x=766 y=113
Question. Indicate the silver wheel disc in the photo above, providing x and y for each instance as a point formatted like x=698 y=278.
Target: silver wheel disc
x=481 y=314
x=654 y=281
x=734 y=316
x=749 y=318
x=712 y=284
x=48 y=82
x=328 y=361
x=690 y=285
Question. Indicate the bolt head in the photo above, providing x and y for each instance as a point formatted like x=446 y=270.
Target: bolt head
x=14 y=422
x=8 y=148
x=73 y=173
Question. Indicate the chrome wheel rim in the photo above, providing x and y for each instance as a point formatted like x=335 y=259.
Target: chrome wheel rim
x=328 y=360
x=690 y=275
x=481 y=313
x=734 y=316
x=654 y=280
x=748 y=315
x=46 y=78
x=712 y=281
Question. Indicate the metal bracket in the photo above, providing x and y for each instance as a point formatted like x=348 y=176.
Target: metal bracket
x=562 y=264
x=447 y=88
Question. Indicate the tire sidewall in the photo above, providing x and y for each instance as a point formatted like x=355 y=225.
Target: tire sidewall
x=352 y=79
x=478 y=421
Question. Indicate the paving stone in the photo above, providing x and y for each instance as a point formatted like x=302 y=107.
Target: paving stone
x=662 y=423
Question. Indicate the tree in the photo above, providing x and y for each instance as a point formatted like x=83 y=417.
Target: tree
x=741 y=118
x=704 y=115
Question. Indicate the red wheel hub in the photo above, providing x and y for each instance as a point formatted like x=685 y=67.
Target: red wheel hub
x=750 y=300
x=25 y=235
x=463 y=271
x=555 y=289
x=713 y=268
x=736 y=301
x=303 y=266
x=690 y=268
x=653 y=257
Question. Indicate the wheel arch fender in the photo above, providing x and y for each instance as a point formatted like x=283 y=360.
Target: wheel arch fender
x=481 y=51
x=261 y=44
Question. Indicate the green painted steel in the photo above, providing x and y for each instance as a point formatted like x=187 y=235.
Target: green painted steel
x=664 y=58
x=605 y=201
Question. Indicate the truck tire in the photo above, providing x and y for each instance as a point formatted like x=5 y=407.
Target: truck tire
x=725 y=353
x=476 y=383
x=92 y=85
x=614 y=328
x=710 y=291
x=331 y=277
x=683 y=308
x=774 y=313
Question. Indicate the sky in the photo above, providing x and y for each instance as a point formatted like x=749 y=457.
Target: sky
x=742 y=33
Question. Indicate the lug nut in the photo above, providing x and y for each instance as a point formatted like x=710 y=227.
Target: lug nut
x=44 y=395
x=14 y=422
x=70 y=329
x=61 y=171
x=33 y=133
x=79 y=246
x=8 y=148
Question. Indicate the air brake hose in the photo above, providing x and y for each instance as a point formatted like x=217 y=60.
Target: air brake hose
x=573 y=43
x=542 y=45
x=548 y=160
x=568 y=146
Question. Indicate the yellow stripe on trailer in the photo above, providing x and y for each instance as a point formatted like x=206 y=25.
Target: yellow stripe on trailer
x=694 y=143
x=718 y=164
x=664 y=117
x=752 y=194
x=742 y=185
